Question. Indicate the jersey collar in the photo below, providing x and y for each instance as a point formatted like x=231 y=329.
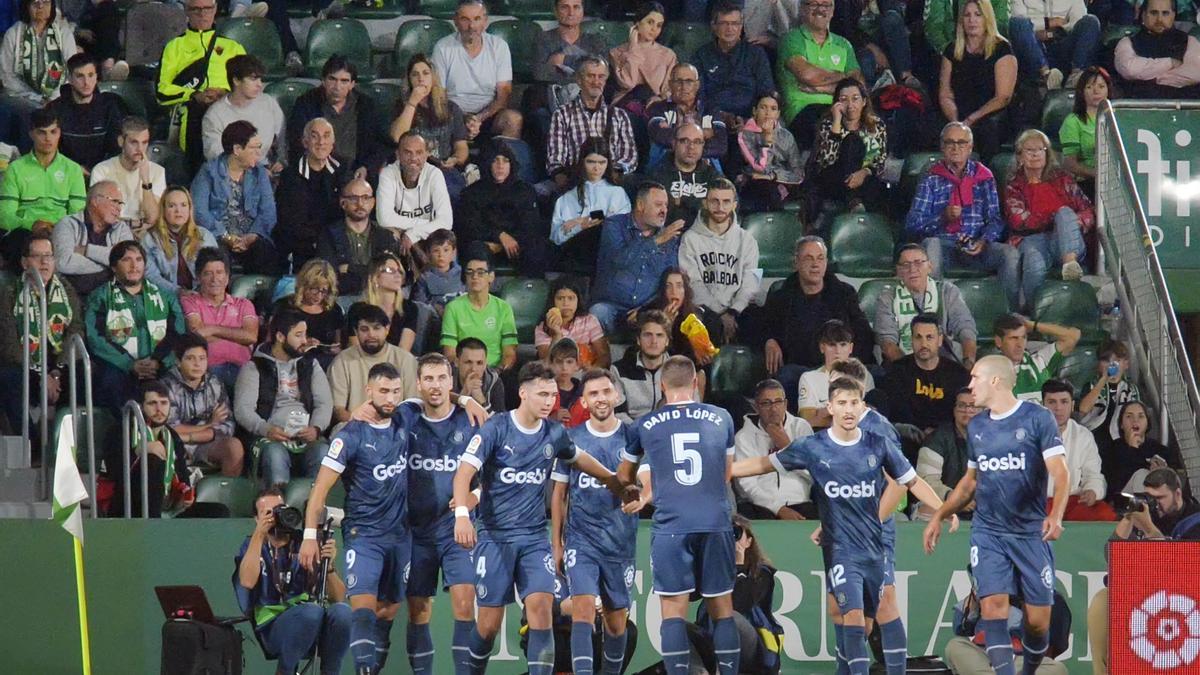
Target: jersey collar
x=600 y=434
x=439 y=419
x=512 y=415
x=844 y=444
x=1006 y=415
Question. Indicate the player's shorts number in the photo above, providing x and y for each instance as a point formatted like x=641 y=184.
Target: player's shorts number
x=837 y=575
x=481 y=566
x=569 y=558
x=349 y=558
x=683 y=454
x=974 y=556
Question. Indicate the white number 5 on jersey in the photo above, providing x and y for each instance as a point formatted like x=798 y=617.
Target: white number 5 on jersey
x=681 y=453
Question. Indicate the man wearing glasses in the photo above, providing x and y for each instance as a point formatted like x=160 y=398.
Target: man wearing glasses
x=481 y=315
x=811 y=61
x=916 y=293
x=685 y=173
x=685 y=106
x=942 y=459
x=956 y=214
x=350 y=242
x=733 y=71
x=193 y=74
x=82 y=241
x=785 y=496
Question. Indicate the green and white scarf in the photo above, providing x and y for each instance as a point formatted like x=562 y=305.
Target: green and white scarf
x=905 y=309
x=59 y=309
x=44 y=75
x=119 y=321
x=168 y=440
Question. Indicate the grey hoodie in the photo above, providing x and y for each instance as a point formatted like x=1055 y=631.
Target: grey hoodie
x=287 y=399
x=721 y=266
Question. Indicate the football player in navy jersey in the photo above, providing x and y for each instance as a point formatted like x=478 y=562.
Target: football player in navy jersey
x=513 y=454
x=437 y=438
x=848 y=465
x=689 y=447
x=1012 y=448
x=597 y=549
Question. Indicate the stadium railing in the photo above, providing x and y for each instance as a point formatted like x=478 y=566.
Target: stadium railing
x=31 y=286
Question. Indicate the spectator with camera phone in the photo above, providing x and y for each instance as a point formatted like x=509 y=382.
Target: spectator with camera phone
x=288 y=614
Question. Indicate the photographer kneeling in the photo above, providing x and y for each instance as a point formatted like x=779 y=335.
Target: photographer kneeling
x=287 y=615
x=1163 y=512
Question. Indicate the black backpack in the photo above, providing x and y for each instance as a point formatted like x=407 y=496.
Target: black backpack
x=195 y=648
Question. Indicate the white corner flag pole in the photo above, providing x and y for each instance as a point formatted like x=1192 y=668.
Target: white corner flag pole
x=69 y=491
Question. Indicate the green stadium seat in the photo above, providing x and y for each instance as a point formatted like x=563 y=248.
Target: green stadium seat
x=986 y=300
x=285 y=92
x=348 y=37
x=613 y=32
x=439 y=9
x=385 y=95
x=171 y=158
x=869 y=292
x=107 y=428
x=533 y=10
x=735 y=371
x=521 y=36
x=235 y=493
x=1115 y=32
x=137 y=95
x=1069 y=303
x=914 y=169
x=1079 y=368
x=1058 y=105
x=387 y=9
x=260 y=38
x=1001 y=164
x=254 y=287
x=776 y=234
x=417 y=36
x=861 y=245
x=528 y=300
x=686 y=37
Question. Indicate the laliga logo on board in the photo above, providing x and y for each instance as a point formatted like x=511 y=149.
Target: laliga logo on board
x=1165 y=630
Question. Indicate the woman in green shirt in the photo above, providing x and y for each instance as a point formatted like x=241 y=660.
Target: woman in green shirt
x=1078 y=131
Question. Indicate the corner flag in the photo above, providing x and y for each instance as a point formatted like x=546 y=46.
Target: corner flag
x=69 y=490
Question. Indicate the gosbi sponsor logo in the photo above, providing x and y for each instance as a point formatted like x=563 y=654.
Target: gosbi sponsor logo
x=861 y=490
x=423 y=463
x=586 y=481
x=512 y=476
x=1009 y=462
x=383 y=472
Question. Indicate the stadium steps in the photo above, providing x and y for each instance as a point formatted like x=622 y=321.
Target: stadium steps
x=19 y=483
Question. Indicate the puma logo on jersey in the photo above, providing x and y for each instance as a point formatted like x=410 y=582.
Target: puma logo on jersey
x=1010 y=462
x=512 y=476
x=860 y=491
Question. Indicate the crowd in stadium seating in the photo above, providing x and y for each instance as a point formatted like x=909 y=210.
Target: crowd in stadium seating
x=592 y=194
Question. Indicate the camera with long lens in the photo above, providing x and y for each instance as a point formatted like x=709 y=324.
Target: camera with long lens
x=289 y=521
x=1129 y=503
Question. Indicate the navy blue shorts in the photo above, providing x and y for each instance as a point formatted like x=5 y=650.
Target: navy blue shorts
x=499 y=566
x=1000 y=562
x=855 y=584
x=588 y=574
x=683 y=563
x=446 y=555
x=379 y=567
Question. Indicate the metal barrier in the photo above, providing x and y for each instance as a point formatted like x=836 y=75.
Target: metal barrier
x=131 y=414
x=1147 y=310
x=32 y=284
x=77 y=351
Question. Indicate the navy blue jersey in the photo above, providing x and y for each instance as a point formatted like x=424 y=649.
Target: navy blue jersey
x=873 y=421
x=687 y=446
x=373 y=462
x=1008 y=453
x=848 y=481
x=594 y=517
x=433 y=460
x=513 y=464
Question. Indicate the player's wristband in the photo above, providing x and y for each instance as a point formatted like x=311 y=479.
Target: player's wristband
x=310 y=534
x=463 y=400
x=462 y=512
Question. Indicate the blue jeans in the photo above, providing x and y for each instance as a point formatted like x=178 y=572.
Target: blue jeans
x=278 y=466
x=894 y=35
x=292 y=635
x=1040 y=251
x=609 y=314
x=1074 y=51
x=1001 y=259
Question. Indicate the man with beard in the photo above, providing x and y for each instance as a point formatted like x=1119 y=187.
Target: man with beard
x=168 y=480
x=720 y=258
x=131 y=327
x=685 y=173
x=921 y=387
x=1159 y=61
x=82 y=241
x=349 y=243
x=585 y=117
x=90 y=119
x=282 y=400
x=915 y=294
x=348 y=372
x=142 y=182
x=413 y=201
x=600 y=537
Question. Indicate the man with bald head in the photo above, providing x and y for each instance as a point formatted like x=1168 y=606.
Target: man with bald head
x=350 y=241
x=1013 y=447
x=685 y=173
x=82 y=241
x=685 y=105
x=307 y=196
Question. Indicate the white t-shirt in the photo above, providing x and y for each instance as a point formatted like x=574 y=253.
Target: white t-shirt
x=130 y=183
x=814 y=388
x=471 y=82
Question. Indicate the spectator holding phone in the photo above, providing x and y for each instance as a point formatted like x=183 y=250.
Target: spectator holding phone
x=1134 y=455
x=1111 y=390
x=594 y=195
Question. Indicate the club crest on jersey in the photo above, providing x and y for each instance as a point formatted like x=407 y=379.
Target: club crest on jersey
x=1047 y=577
x=547 y=451
x=548 y=561
x=457 y=437
x=473 y=446
x=480 y=590
x=335 y=448
x=629 y=576
x=871 y=461
x=351 y=580
x=1020 y=434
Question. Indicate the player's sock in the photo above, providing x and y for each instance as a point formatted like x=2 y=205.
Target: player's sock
x=383 y=642
x=420 y=648
x=676 y=650
x=479 y=649
x=461 y=646
x=1034 y=648
x=999 y=646
x=362 y=638
x=895 y=646
x=727 y=646
x=839 y=635
x=855 y=649
x=614 y=653
x=581 y=647
x=540 y=654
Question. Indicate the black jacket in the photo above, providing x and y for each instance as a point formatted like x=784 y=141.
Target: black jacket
x=333 y=244
x=488 y=208
x=306 y=201
x=89 y=130
x=794 y=319
x=373 y=147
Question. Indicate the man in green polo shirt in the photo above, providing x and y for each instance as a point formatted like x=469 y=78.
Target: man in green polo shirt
x=811 y=61
x=40 y=188
x=479 y=314
x=1012 y=331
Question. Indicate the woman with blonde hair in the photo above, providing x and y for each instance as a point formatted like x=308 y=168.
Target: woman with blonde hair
x=385 y=290
x=316 y=299
x=979 y=73
x=1047 y=213
x=173 y=242
x=439 y=120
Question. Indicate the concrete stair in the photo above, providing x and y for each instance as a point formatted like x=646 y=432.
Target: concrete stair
x=20 y=483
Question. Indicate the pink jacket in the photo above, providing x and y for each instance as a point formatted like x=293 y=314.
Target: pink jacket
x=648 y=64
x=1162 y=71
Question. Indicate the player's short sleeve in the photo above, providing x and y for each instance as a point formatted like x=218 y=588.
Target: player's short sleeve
x=560 y=473
x=896 y=464
x=727 y=421
x=481 y=446
x=792 y=458
x=632 y=452
x=341 y=450
x=408 y=412
x=1049 y=440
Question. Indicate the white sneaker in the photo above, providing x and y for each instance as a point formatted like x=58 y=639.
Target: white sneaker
x=1054 y=79
x=118 y=72
x=1073 y=79
x=1072 y=271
